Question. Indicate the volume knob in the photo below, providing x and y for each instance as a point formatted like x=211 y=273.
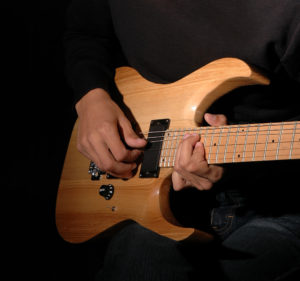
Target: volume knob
x=107 y=191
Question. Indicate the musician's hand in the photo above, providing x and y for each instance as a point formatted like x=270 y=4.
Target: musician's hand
x=103 y=130
x=191 y=167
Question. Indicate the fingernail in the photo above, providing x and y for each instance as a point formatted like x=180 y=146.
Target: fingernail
x=198 y=144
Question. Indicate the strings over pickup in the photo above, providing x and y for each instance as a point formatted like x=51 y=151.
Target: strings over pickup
x=150 y=164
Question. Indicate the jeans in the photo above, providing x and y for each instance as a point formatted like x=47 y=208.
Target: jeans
x=249 y=246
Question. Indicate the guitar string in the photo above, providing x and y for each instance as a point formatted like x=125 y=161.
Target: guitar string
x=246 y=151
x=241 y=126
x=242 y=159
x=224 y=134
x=232 y=145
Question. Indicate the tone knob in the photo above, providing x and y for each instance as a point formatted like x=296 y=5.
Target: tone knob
x=107 y=191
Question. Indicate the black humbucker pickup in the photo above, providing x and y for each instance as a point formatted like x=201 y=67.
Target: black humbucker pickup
x=150 y=163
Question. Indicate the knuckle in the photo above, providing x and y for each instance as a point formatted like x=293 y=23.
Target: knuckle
x=176 y=167
x=108 y=166
x=183 y=165
x=81 y=144
x=207 y=185
x=218 y=173
x=105 y=127
x=92 y=136
x=121 y=155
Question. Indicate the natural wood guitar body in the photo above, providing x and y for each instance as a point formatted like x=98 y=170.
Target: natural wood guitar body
x=81 y=213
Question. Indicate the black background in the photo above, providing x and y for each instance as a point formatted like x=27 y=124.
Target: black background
x=38 y=108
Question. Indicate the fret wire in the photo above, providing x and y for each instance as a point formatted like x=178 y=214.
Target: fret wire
x=245 y=143
x=164 y=143
x=254 y=147
x=235 y=144
x=168 y=143
x=175 y=149
x=279 y=139
x=292 y=141
x=210 y=147
x=204 y=142
x=226 y=145
x=172 y=141
x=218 y=147
x=267 y=139
x=177 y=140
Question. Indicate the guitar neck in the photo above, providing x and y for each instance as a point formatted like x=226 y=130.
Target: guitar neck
x=238 y=143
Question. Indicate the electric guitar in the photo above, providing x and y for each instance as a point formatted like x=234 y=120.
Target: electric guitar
x=90 y=203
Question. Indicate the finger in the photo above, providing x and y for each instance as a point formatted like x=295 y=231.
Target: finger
x=187 y=149
x=101 y=155
x=215 y=119
x=108 y=164
x=116 y=146
x=210 y=172
x=178 y=181
x=198 y=154
x=177 y=155
x=130 y=137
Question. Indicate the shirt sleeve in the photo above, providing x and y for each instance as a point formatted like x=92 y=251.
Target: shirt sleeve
x=92 y=49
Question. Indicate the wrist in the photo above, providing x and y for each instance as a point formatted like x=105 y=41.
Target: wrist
x=91 y=98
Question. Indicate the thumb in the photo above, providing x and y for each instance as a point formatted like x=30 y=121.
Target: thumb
x=215 y=119
x=130 y=137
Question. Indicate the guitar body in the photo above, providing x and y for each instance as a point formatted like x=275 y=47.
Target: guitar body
x=82 y=214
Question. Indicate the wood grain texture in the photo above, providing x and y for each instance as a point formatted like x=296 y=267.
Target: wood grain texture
x=82 y=214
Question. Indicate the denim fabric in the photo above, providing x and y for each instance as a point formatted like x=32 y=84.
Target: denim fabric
x=232 y=212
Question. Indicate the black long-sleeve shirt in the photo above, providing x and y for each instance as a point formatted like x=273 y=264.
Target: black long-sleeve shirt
x=166 y=40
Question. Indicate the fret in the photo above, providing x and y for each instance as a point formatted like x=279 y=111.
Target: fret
x=176 y=146
x=219 y=144
x=267 y=139
x=279 y=140
x=292 y=141
x=226 y=145
x=205 y=136
x=200 y=133
x=245 y=143
x=165 y=149
x=211 y=145
x=235 y=143
x=255 y=142
x=171 y=149
x=232 y=144
x=239 y=143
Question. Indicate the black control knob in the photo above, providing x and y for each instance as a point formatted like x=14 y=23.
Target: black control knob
x=107 y=191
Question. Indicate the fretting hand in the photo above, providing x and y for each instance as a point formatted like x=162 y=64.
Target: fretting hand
x=191 y=167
